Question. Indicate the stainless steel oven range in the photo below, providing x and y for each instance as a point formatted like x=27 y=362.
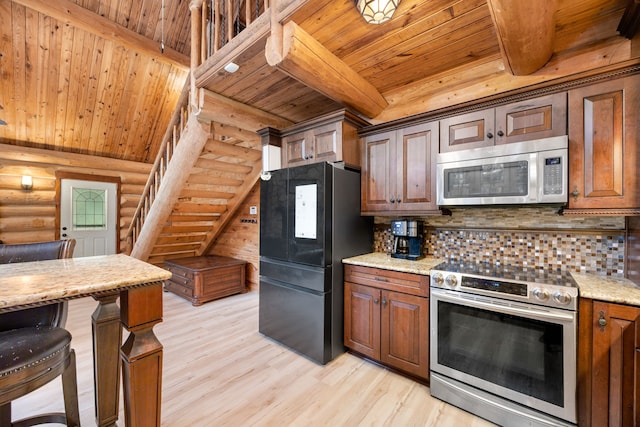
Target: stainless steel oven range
x=503 y=343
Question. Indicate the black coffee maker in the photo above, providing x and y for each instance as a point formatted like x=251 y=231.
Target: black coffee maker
x=407 y=239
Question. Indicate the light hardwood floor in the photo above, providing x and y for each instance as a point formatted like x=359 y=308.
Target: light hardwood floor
x=219 y=371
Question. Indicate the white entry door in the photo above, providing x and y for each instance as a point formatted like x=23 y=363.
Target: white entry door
x=88 y=214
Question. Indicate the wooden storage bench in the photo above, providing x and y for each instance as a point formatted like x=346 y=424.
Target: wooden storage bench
x=205 y=278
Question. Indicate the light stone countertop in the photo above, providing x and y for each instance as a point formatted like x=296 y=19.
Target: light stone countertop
x=385 y=262
x=606 y=288
x=35 y=282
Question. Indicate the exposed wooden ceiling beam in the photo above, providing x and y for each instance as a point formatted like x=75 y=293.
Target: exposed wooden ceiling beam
x=79 y=17
x=526 y=32
x=305 y=59
x=630 y=21
x=217 y=108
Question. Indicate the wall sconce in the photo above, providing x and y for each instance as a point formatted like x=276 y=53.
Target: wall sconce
x=27 y=182
x=377 y=11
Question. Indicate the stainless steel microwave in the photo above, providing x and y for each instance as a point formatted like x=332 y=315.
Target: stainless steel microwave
x=518 y=173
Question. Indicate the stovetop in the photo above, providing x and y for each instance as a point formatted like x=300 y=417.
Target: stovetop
x=508 y=272
x=526 y=285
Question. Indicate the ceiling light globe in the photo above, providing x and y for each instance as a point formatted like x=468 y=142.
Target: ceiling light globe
x=377 y=11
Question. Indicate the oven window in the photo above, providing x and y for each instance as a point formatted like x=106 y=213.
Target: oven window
x=514 y=352
x=490 y=180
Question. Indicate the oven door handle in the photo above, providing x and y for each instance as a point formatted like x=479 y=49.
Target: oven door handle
x=506 y=309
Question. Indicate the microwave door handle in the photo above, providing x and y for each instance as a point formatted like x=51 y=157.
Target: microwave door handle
x=529 y=312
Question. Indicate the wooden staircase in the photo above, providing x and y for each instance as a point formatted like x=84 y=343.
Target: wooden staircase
x=210 y=159
x=206 y=167
x=224 y=173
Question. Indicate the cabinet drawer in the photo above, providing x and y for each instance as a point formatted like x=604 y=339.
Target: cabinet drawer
x=182 y=289
x=409 y=283
x=181 y=280
x=176 y=271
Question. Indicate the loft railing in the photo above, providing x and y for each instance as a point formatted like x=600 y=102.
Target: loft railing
x=222 y=20
x=170 y=141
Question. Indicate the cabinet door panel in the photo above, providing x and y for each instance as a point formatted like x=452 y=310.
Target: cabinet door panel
x=362 y=319
x=467 y=131
x=416 y=175
x=537 y=118
x=325 y=142
x=295 y=148
x=378 y=177
x=603 y=149
x=614 y=374
x=404 y=332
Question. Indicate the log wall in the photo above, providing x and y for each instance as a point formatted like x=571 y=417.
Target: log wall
x=241 y=238
x=30 y=216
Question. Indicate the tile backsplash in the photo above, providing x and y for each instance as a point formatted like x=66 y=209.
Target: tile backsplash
x=529 y=237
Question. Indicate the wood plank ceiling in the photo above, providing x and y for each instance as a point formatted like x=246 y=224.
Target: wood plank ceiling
x=69 y=89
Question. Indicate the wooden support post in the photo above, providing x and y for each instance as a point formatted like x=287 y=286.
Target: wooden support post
x=141 y=355
x=195 y=7
x=107 y=336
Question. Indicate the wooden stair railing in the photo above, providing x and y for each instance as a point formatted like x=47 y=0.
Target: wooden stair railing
x=222 y=20
x=170 y=140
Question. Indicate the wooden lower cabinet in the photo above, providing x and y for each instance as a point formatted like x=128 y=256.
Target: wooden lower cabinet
x=608 y=364
x=387 y=326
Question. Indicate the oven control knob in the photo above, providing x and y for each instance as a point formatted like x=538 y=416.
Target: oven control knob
x=438 y=279
x=541 y=294
x=451 y=281
x=562 y=298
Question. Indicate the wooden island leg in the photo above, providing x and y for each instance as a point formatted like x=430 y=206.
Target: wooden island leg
x=107 y=337
x=141 y=354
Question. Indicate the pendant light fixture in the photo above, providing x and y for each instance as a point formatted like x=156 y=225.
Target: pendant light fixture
x=377 y=11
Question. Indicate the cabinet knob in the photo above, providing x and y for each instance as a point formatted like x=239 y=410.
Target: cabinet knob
x=500 y=133
x=384 y=302
x=489 y=135
x=392 y=200
x=602 y=322
x=575 y=193
x=376 y=300
x=311 y=156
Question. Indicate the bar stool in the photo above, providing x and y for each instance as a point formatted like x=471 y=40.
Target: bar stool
x=34 y=346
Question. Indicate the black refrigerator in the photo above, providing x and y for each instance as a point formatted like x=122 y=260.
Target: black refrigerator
x=309 y=221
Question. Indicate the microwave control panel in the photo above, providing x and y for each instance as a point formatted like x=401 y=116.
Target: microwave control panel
x=552 y=175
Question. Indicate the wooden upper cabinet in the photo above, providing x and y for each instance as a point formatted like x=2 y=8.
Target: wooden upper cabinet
x=315 y=145
x=609 y=365
x=330 y=138
x=379 y=173
x=399 y=171
x=526 y=120
x=295 y=149
x=603 y=146
x=537 y=118
x=466 y=131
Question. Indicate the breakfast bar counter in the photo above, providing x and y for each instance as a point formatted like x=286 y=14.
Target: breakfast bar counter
x=105 y=278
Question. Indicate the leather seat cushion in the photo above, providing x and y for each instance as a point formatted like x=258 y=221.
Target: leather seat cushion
x=27 y=346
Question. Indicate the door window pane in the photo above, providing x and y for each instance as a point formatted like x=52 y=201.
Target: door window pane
x=89 y=209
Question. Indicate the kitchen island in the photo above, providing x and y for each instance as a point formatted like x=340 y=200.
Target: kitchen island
x=105 y=278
